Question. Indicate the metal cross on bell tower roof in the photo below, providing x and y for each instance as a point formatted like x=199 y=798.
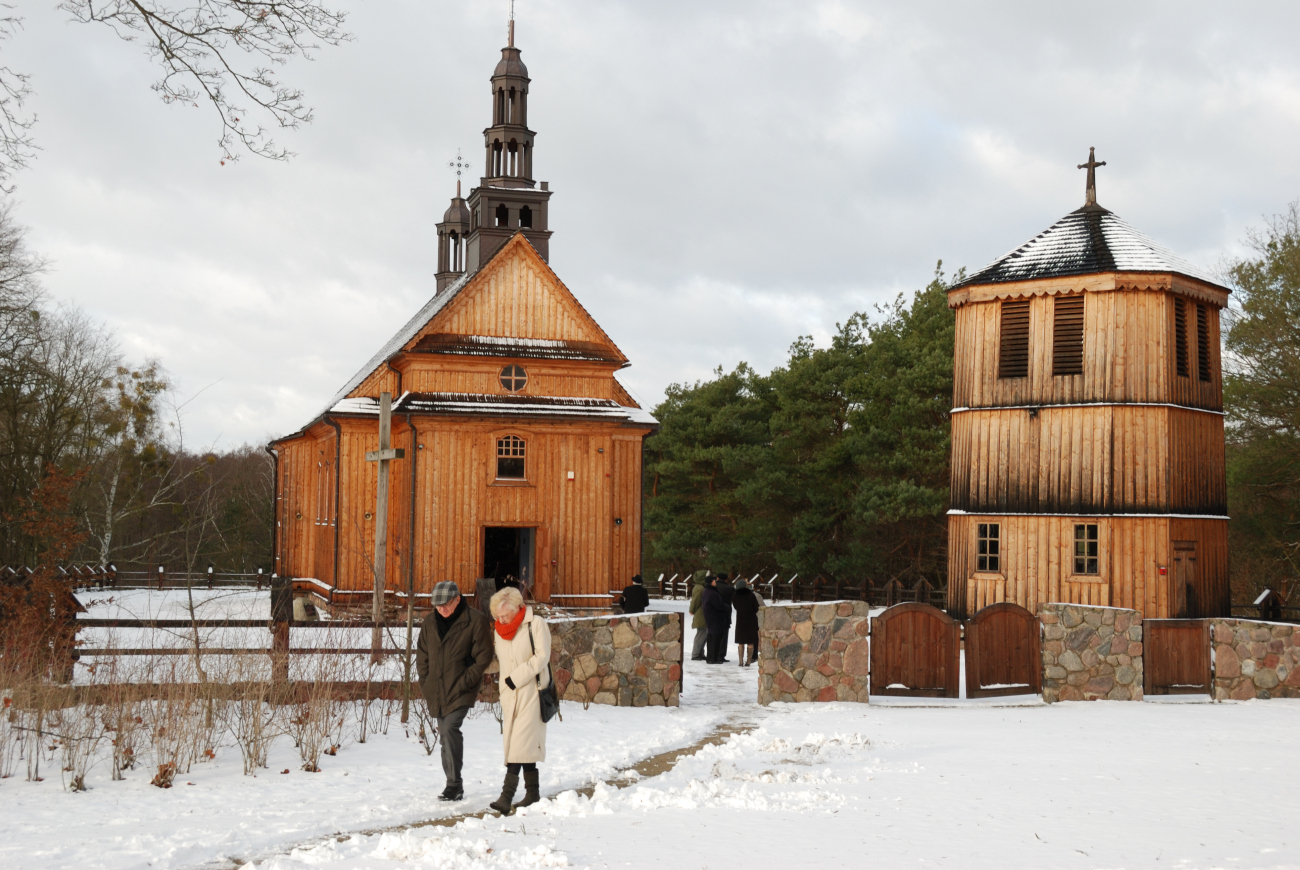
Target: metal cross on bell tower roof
x=460 y=164
x=1092 y=164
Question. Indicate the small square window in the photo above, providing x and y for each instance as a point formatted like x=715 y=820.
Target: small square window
x=1085 y=548
x=510 y=458
x=989 y=552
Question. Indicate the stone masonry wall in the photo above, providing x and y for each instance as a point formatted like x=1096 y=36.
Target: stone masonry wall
x=1091 y=653
x=1255 y=659
x=625 y=661
x=814 y=652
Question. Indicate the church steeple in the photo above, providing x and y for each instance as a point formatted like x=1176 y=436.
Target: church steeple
x=452 y=233
x=507 y=199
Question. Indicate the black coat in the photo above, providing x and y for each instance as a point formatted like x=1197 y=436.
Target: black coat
x=635 y=598
x=745 y=603
x=451 y=668
x=717 y=615
x=728 y=592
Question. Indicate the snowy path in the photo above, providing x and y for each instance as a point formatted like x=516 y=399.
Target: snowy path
x=1071 y=785
x=1000 y=783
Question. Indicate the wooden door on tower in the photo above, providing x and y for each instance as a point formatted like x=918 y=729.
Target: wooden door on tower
x=1182 y=579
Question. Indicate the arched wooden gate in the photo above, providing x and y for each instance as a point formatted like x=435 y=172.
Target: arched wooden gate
x=915 y=649
x=1002 y=652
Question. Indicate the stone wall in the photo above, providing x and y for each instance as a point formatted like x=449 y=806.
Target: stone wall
x=1091 y=653
x=813 y=652
x=627 y=661
x=1255 y=659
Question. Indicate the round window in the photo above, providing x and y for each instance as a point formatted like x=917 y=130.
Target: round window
x=513 y=378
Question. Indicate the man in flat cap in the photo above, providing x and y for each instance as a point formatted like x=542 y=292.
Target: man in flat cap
x=454 y=650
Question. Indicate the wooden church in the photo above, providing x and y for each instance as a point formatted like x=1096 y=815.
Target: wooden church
x=522 y=452
x=1087 y=432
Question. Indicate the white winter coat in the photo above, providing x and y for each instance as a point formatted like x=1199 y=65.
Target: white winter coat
x=523 y=731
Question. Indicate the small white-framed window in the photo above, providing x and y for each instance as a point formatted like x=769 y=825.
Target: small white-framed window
x=510 y=457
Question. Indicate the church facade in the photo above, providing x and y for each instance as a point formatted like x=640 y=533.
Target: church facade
x=1087 y=433
x=522 y=452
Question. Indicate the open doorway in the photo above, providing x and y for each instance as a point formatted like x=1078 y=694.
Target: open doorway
x=509 y=552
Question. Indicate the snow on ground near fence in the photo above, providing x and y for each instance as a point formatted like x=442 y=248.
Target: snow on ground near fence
x=947 y=783
x=1072 y=785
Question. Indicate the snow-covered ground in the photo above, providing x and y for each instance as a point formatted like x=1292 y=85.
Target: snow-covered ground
x=963 y=784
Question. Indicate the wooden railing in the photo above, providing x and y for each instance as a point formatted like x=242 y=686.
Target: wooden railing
x=816 y=589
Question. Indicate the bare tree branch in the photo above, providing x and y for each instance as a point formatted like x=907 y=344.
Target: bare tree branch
x=16 y=145
x=200 y=46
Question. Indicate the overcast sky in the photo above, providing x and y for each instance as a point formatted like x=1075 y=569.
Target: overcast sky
x=727 y=175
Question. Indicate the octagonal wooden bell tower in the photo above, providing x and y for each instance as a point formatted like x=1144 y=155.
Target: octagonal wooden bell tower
x=1087 y=432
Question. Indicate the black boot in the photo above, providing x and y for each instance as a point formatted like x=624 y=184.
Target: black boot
x=532 y=791
x=502 y=804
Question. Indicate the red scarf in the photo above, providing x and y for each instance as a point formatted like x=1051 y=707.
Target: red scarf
x=507 y=629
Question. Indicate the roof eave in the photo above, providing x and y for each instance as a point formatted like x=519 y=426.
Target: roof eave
x=1089 y=282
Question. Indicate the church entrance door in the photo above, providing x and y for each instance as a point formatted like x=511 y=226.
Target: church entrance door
x=509 y=552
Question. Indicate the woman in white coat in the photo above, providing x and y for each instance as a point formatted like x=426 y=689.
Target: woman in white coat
x=523 y=650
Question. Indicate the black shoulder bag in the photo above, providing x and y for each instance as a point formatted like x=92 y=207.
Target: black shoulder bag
x=548 y=698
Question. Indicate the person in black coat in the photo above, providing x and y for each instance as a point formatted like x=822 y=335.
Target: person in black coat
x=746 y=605
x=717 y=616
x=635 y=598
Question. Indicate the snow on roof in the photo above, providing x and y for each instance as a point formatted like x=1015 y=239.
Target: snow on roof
x=1088 y=240
x=405 y=334
x=498 y=345
x=499 y=405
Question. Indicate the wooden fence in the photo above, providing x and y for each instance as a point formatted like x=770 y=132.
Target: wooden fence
x=816 y=589
x=109 y=577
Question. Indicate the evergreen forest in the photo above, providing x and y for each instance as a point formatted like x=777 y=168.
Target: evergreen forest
x=836 y=464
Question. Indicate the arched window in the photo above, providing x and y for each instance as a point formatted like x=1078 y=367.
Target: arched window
x=514 y=378
x=503 y=215
x=510 y=458
x=525 y=217
x=501 y=106
x=496 y=157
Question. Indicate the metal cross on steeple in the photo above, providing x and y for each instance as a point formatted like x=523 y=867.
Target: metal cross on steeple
x=1091 y=166
x=460 y=164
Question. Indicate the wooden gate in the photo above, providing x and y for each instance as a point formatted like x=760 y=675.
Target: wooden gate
x=1176 y=657
x=915 y=652
x=1002 y=652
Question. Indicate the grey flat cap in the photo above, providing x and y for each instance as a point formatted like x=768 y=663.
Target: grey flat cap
x=445 y=593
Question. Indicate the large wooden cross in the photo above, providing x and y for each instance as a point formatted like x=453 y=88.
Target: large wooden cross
x=385 y=454
x=1090 y=197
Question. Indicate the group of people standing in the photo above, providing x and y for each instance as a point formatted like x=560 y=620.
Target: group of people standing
x=457 y=644
x=713 y=600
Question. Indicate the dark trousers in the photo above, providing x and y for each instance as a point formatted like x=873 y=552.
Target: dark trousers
x=453 y=744
x=717 y=649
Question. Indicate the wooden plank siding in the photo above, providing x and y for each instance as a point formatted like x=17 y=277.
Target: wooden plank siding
x=588 y=537
x=1089 y=459
x=457 y=496
x=1130 y=444
x=1128 y=341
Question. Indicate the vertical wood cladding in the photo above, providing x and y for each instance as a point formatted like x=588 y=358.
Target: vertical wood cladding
x=1111 y=422
x=457 y=496
x=1128 y=354
x=587 y=527
x=1038 y=568
x=1089 y=459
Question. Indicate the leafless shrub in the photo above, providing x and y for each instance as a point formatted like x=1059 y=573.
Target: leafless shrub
x=253 y=721
x=80 y=731
x=174 y=724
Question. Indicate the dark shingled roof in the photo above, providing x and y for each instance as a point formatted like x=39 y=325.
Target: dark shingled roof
x=1086 y=241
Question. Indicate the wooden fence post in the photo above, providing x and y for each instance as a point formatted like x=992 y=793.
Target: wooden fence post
x=281 y=617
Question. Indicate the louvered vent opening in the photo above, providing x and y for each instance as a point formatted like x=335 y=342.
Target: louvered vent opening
x=1203 y=342
x=1180 y=338
x=1013 y=355
x=1067 y=336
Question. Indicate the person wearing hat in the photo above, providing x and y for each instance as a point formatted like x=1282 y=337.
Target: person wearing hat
x=635 y=599
x=454 y=650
